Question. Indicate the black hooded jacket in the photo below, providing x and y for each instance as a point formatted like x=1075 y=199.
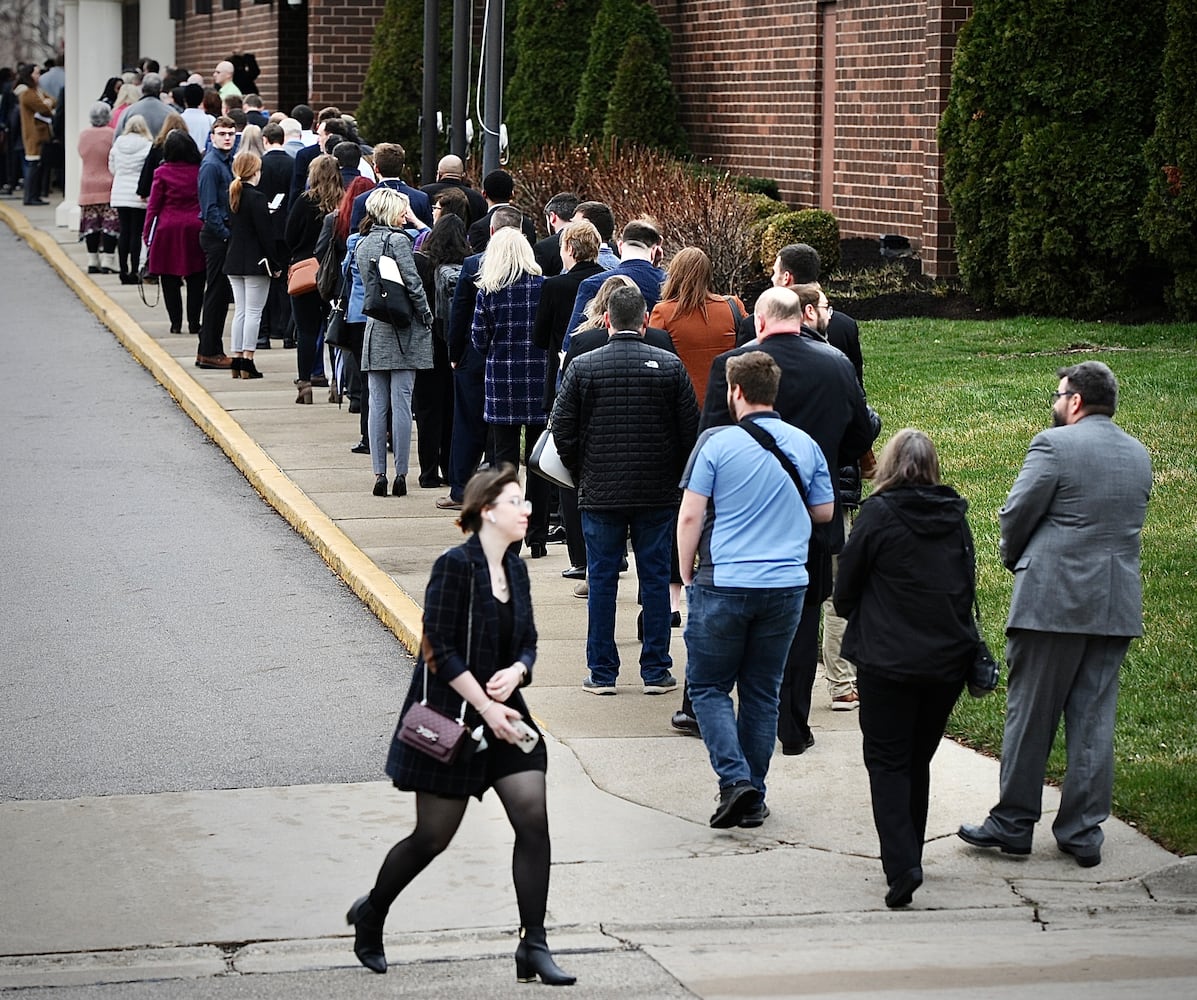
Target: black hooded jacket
x=905 y=582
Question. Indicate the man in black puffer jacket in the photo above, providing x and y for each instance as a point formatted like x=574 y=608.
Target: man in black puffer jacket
x=624 y=424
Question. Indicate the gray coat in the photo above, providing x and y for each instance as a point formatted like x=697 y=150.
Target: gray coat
x=385 y=348
x=1070 y=531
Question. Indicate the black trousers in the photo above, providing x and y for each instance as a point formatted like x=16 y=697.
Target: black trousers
x=309 y=311
x=129 y=243
x=172 y=298
x=793 y=727
x=902 y=723
x=432 y=404
x=507 y=449
x=218 y=295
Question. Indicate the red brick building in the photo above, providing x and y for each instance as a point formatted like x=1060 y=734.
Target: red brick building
x=838 y=100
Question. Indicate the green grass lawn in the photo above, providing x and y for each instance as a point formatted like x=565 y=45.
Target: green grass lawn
x=980 y=390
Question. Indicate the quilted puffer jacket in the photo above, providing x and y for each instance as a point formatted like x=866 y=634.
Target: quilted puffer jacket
x=624 y=424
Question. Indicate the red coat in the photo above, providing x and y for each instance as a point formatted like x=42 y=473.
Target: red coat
x=172 y=216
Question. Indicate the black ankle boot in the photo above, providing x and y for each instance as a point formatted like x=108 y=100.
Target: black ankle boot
x=533 y=958
x=367 y=935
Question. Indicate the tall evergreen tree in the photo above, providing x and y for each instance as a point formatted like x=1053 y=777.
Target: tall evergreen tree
x=392 y=96
x=1050 y=106
x=544 y=88
x=642 y=108
x=1169 y=218
x=615 y=23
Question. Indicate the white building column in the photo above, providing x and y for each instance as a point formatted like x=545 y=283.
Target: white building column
x=93 y=54
x=156 y=32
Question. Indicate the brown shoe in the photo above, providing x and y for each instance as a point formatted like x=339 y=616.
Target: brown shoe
x=216 y=361
x=845 y=702
x=448 y=503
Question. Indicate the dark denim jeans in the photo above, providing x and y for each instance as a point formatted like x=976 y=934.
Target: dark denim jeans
x=738 y=637
x=652 y=540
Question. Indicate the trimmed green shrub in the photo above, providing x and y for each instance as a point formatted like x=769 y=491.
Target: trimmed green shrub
x=614 y=24
x=392 y=95
x=1048 y=111
x=1169 y=216
x=812 y=226
x=642 y=108
x=543 y=92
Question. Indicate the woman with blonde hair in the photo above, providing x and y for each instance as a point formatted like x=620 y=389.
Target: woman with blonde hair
x=392 y=355
x=125 y=160
x=906 y=581
x=509 y=284
x=249 y=262
x=701 y=324
x=304 y=222
x=128 y=95
x=252 y=141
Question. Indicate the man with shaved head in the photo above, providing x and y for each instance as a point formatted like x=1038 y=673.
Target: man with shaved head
x=222 y=79
x=450 y=172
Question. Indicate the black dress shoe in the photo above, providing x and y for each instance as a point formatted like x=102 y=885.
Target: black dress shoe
x=755 y=816
x=537 y=550
x=288 y=344
x=1086 y=858
x=684 y=723
x=430 y=482
x=574 y=573
x=263 y=344
x=556 y=534
x=367 y=935
x=361 y=448
x=978 y=836
x=734 y=802
x=901 y=890
x=798 y=749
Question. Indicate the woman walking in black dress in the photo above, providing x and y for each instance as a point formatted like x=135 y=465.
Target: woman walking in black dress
x=479 y=645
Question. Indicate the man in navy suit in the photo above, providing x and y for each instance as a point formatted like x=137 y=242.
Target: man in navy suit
x=1070 y=535
x=497 y=187
x=389 y=158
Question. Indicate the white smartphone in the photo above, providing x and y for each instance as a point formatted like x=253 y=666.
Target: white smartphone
x=529 y=737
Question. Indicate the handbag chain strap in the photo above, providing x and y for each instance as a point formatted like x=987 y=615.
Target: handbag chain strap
x=469 y=646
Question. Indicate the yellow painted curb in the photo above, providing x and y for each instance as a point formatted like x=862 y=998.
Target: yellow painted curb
x=381 y=594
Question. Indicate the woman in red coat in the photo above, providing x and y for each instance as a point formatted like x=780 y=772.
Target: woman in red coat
x=172 y=226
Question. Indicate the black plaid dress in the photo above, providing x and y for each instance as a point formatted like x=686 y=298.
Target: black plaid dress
x=443 y=655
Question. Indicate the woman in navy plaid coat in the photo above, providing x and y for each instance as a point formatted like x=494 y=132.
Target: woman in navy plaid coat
x=509 y=285
x=478 y=647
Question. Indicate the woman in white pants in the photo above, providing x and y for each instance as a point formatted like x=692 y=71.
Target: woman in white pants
x=249 y=262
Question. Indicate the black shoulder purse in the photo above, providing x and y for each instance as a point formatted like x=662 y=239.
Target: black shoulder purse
x=818 y=554
x=984 y=671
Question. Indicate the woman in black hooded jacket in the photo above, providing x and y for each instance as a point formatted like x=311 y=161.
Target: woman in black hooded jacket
x=905 y=582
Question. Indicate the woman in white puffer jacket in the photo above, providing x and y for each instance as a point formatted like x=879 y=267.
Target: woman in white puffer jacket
x=125 y=160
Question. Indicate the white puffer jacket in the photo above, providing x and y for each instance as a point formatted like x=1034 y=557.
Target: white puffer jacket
x=124 y=161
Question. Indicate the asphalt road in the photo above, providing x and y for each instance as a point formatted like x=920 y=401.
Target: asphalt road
x=162 y=628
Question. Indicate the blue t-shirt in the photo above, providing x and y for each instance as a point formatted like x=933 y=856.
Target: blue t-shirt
x=757 y=528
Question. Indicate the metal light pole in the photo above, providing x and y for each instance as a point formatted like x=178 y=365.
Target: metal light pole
x=432 y=47
x=459 y=111
x=492 y=113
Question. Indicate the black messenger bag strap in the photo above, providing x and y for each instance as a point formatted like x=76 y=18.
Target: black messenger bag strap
x=769 y=443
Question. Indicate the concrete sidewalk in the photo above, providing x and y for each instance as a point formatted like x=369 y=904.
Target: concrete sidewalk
x=257 y=880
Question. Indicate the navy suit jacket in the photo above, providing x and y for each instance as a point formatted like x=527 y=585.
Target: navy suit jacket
x=419 y=203
x=461 y=311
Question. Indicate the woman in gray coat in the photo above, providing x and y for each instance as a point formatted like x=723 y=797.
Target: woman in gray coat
x=391 y=356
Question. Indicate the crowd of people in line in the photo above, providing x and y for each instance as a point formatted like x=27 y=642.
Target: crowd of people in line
x=727 y=447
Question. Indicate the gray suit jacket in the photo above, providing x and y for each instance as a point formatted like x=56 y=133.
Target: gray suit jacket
x=1070 y=531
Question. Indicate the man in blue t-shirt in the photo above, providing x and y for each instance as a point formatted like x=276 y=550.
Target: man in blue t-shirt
x=748 y=521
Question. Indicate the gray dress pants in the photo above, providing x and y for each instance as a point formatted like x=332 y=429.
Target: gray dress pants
x=1054 y=674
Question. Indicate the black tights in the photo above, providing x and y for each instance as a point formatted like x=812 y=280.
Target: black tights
x=96 y=239
x=129 y=245
x=437 y=820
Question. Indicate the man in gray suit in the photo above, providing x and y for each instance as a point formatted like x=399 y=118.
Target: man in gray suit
x=1070 y=535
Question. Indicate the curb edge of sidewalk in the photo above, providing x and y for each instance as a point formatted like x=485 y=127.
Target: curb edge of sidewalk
x=393 y=606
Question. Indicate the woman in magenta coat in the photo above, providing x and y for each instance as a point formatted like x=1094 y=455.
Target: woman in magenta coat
x=172 y=226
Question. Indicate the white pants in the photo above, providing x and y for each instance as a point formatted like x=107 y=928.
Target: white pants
x=249 y=299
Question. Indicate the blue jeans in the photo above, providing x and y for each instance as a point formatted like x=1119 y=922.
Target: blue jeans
x=739 y=636
x=652 y=541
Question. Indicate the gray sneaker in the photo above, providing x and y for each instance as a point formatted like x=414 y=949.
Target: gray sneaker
x=595 y=688
x=663 y=686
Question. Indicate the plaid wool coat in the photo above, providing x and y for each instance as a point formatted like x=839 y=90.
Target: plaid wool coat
x=515 y=367
x=456 y=575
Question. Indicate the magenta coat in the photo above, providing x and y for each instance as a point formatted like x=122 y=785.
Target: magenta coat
x=172 y=217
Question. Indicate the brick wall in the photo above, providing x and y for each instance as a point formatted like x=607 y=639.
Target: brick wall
x=750 y=79
x=340 y=40
x=203 y=40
